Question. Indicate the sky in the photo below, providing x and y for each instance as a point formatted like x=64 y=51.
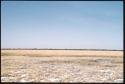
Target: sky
x=62 y=24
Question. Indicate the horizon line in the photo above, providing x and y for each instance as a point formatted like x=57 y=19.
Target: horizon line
x=59 y=49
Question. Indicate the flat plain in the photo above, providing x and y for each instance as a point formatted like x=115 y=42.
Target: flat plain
x=61 y=66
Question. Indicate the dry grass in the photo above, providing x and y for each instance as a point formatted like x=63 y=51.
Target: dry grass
x=61 y=66
x=59 y=53
x=61 y=69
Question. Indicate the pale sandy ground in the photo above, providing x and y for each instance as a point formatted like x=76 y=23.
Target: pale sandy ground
x=62 y=68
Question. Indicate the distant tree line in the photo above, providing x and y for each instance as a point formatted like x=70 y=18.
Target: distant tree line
x=57 y=49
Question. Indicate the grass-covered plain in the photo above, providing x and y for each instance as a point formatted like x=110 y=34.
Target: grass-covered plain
x=61 y=66
x=60 y=53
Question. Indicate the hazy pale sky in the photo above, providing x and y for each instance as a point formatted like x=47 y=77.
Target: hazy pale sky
x=62 y=24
